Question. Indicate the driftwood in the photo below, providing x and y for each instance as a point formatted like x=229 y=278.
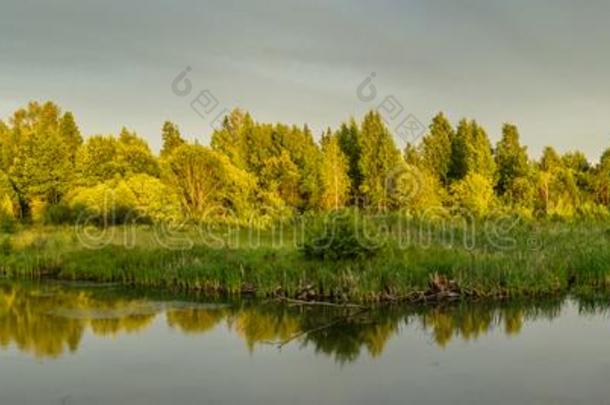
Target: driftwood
x=439 y=289
x=281 y=344
x=317 y=303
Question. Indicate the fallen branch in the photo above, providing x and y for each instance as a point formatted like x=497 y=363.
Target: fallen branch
x=284 y=342
x=318 y=303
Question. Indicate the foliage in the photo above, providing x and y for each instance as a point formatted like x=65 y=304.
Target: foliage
x=334 y=178
x=136 y=199
x=379 y=160
x=567 y=256
x=254 y=171
x=471 y=152
x=436 y=148
x=474 y=193
x=208 y=184
x=341 y=235
x=511 y=159
x=171 y=138
x=348 y=137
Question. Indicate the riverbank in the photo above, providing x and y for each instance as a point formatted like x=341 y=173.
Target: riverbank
x=533 y=262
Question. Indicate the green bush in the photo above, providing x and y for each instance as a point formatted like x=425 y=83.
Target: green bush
x=58 y=214
x=341 y=235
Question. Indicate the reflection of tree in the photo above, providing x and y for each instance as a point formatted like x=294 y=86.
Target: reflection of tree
x=257 y=325
x=24 y=321
x=349 y=333
x=195 y=320
x=126 y=324
x=31 y=317
x=469 y=321
x=47 y=320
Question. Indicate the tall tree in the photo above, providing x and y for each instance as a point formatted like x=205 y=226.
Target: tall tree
x=511 y=159
x=42 y=168
x=335 y=182
x=550 y=159
x=436 y=148
x=558 y=193
x=230 y=139
x=209 y=184
x=70 y=133
x=134 y=155
x=171 y=138
x=471 y=152
x=96 y=161
x=379 y=160
x=7 y=146
x=349 y=140
x=601 y=180
x=413 y=156
x=282 y=177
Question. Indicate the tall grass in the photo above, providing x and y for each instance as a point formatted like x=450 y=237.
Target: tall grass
x=535 y=260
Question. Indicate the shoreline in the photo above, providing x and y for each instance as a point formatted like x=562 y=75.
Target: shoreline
x=565 y=262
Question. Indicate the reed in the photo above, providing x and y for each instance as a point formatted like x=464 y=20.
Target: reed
x=536 y=260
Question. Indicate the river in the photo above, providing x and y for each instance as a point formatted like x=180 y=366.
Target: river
x=84 y=344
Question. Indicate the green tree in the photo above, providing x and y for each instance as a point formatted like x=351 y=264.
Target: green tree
x=305 y=154
x=134 y=156
x=601 y=180
x=349 y=141
x=513 y=168
x=209 y=185
x=334 y=179
x=230 y=139
x=471 y=152
x=42 y=166
x=580 y=167
x=262 y=149
x=415 y=189
x=379 y=160
x=436 y=148
x=171 y=138
x=474 y=193
x=558 y=194
x=412 y=156
x=7 y=146
x=281 y=176
x=550 y=159
x=70 y=134
x=96 y=161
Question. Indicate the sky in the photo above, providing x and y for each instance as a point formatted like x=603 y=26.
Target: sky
x=543 y=65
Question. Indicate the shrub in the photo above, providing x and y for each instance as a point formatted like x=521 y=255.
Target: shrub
x=58 y=214
x=136 y=199
x=474 y=193
x=341 y=235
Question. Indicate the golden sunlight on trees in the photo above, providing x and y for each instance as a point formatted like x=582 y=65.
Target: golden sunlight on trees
x=50 y=173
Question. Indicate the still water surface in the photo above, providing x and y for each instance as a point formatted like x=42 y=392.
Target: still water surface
x=78 y=344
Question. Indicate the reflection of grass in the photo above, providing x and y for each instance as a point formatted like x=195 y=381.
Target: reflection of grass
x=530 y=261
x=33 y=318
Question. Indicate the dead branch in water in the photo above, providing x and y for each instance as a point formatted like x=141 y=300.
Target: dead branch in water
x=283 y=343
x=318 y=303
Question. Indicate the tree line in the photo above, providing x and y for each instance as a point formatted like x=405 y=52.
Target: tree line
x=50 y=173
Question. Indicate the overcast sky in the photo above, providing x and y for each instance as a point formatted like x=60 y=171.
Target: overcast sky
x=543 y=65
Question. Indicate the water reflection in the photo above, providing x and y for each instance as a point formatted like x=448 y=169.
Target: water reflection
x=48 y=320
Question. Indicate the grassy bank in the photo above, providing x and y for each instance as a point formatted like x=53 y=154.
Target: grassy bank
x=527 y=260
